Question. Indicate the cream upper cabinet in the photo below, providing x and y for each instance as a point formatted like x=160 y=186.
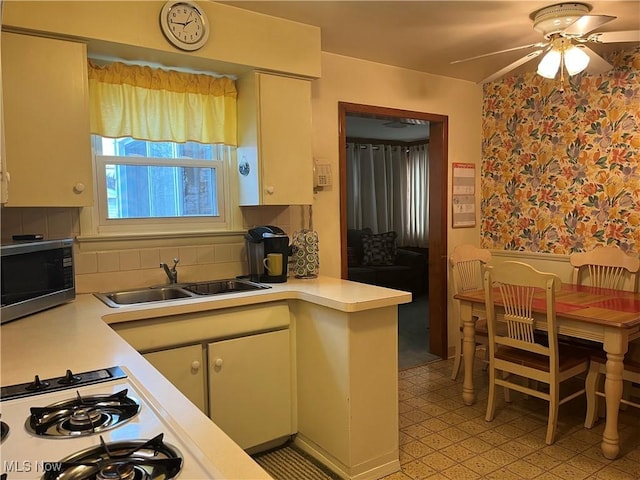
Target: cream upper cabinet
x=275 y=162
x=3 y=156
x=46 y=122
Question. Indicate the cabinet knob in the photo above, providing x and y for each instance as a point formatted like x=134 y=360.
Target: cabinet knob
x=79 y=187
x=270 y=190
x=218 y=363
x=195 y=365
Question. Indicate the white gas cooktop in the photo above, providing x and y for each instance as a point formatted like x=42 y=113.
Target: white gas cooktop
x=27 y=455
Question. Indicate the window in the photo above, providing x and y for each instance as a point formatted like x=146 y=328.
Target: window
x=163 y=142
x=154 y=184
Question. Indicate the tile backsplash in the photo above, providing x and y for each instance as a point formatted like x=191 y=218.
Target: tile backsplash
x=219 y=257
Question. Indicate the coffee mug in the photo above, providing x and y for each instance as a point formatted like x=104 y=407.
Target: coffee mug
x=273 y=264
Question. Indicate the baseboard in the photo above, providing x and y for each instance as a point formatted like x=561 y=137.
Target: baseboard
x=382 y=466
x=271 y=445
x=451 y=352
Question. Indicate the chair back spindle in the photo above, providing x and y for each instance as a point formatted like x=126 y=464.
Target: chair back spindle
x=468 y=263
x=605 y=276
x=470 y=275
x=517 y=304
x=607 y=267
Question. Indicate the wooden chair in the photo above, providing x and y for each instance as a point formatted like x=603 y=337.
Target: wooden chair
x=520 y=352
x=595 y=386
x=608 y=267
x=605 y=267
x=467 y=267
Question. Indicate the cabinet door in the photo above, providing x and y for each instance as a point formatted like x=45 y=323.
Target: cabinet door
x=274 y=130
x=3 y=156
x=250 y=387
x=46 y=121
x=185 y=368
x=285 y=140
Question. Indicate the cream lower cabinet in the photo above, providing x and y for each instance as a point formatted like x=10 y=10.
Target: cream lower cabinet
x=184 y=367
x=235 y=364
x=250 y=388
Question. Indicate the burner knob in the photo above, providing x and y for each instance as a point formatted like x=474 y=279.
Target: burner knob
x=37 y=384
x=69 y=379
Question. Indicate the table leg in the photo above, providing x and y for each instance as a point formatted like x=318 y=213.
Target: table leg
x=615 y=346
x=468 y=352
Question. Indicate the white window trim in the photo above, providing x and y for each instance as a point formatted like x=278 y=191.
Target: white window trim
x=228 y=222
x=101 y=161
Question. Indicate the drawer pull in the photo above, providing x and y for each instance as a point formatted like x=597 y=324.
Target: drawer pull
x=218 y=363
x=195 y=365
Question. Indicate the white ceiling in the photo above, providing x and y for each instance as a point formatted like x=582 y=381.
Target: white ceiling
x=428 y=35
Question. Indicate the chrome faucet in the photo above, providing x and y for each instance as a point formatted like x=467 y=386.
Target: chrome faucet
x=172 y=273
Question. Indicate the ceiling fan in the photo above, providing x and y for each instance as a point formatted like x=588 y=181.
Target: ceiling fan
x=567 y=29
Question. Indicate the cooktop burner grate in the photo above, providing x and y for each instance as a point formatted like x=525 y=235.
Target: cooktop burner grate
x=83 y=415
x=126 y=460
x=65 y=382
x=4 y=431
x=88 y=408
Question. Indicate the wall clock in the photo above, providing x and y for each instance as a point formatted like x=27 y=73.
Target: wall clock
x=184 y=24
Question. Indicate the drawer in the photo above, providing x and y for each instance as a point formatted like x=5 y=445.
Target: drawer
x=158 y=333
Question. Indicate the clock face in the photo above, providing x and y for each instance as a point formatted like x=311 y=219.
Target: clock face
x=184 y=24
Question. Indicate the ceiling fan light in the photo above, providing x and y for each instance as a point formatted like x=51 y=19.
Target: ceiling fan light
x=550 y=63
x=575 y=60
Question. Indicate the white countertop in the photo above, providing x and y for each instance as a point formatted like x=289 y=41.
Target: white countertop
x=77 y=336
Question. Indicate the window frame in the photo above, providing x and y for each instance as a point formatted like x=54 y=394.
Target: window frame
x=101 y=225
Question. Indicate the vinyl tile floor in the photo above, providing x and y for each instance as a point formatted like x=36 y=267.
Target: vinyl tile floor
x=413 y=333
x=441 y=438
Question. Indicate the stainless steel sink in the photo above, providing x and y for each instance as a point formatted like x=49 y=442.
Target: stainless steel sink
x=223 y=286
x=143 y=295
x=177 y=292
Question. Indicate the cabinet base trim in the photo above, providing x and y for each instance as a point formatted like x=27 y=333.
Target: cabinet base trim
x=372 y=469
x=270 y=445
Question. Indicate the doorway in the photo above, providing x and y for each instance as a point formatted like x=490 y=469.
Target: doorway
x=438 y=161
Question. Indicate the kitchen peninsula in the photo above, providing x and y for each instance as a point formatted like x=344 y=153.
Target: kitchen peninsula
x=344 y=344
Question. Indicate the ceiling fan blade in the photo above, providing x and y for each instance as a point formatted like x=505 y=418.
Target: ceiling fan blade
x=533 y=45
x=597 y=64
x=615 y=37
x=511 y=66
x=586 y=24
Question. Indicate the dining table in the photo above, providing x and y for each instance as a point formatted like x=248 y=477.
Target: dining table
x=606 y=316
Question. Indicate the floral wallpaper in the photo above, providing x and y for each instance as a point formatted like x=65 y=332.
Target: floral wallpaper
x=561 y=169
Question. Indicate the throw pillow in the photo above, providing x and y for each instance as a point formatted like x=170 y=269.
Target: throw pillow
x=379 y=249
x=352 y=258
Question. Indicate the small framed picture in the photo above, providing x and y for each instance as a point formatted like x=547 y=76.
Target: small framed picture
x=463 y=198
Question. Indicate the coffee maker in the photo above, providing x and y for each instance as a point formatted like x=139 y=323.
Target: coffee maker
x=268 y=253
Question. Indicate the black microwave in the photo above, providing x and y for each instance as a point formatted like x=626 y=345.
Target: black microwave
x=36 y=276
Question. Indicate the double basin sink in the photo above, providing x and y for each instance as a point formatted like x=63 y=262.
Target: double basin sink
x=178 y=291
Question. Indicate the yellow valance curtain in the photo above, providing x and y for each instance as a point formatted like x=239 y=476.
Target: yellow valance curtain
x=159 y=105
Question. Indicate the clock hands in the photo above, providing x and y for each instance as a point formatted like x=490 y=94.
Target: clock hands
x=184 y=24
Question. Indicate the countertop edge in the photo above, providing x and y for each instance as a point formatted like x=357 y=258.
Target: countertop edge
x=332 y=293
